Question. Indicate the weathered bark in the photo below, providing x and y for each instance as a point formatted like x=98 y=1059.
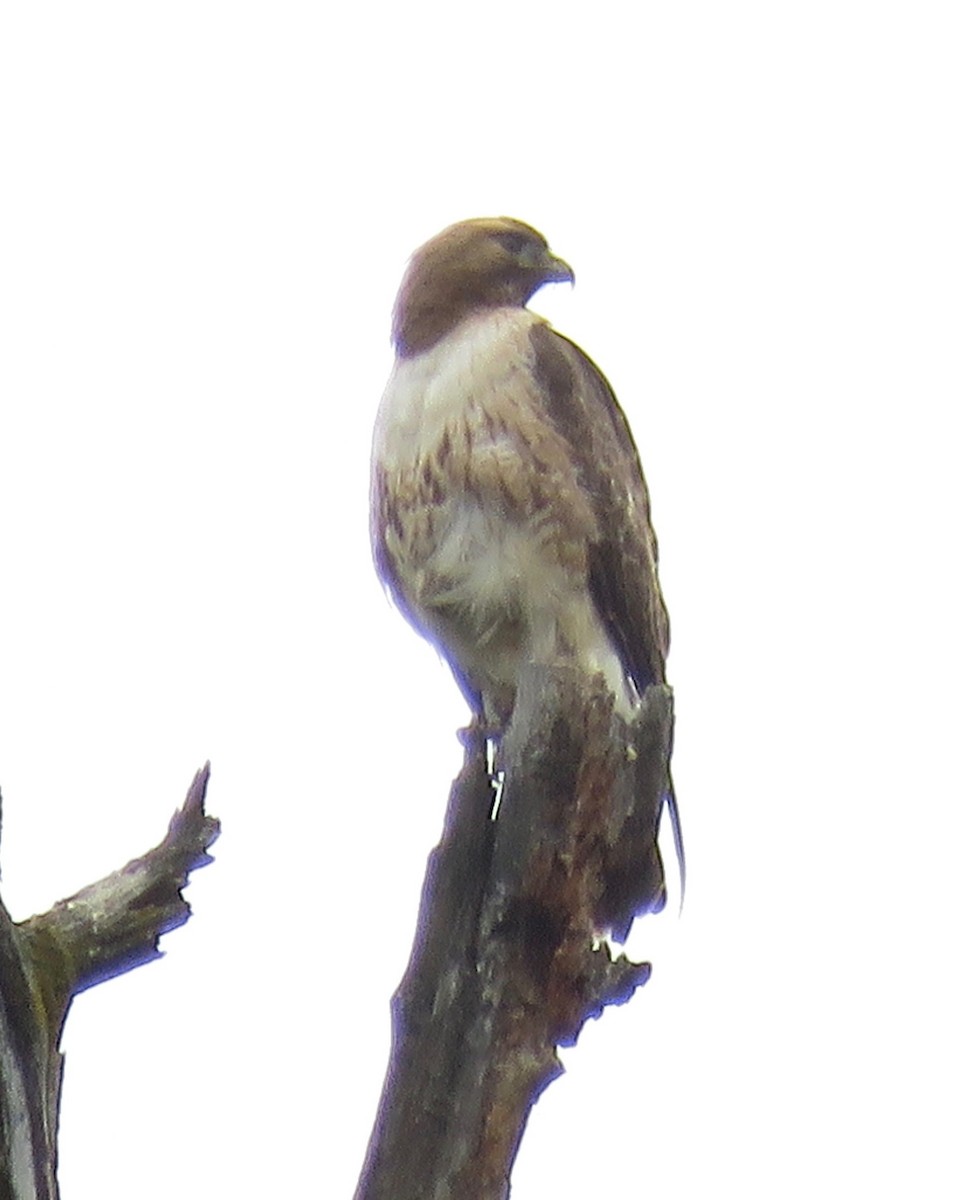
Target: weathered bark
x=508 y=960
x=105 y=929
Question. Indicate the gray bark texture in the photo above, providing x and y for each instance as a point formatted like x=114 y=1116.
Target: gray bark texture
x=508 y=960
x=106 y=929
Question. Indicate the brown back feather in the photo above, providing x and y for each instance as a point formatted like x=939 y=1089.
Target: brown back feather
x=622 y=568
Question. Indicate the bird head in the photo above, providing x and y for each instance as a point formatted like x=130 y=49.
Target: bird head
x=487 y=262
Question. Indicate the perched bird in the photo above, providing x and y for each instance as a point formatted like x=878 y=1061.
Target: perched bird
x=510 y=517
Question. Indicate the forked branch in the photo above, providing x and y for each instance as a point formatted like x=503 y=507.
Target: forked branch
x=105 y=929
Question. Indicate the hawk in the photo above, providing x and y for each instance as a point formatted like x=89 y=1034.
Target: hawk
x=510 y=517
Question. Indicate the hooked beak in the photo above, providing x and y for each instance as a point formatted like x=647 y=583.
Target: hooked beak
x=557 y=271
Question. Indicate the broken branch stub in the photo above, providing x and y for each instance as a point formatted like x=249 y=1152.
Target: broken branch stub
x=509 y=961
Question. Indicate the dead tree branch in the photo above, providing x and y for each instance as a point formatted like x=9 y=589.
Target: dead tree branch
x=107 y=928
x=508 y=960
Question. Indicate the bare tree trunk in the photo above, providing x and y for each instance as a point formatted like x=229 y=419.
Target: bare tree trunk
x=105 y=929
x=508 y=961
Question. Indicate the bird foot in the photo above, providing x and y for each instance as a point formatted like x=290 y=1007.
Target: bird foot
x=478 y=732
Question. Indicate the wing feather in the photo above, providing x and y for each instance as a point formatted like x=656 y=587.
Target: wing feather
x=622 y=561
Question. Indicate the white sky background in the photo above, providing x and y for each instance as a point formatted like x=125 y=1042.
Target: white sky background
x=205 y=212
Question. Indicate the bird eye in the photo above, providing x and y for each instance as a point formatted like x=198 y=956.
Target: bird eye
x=513 y=243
